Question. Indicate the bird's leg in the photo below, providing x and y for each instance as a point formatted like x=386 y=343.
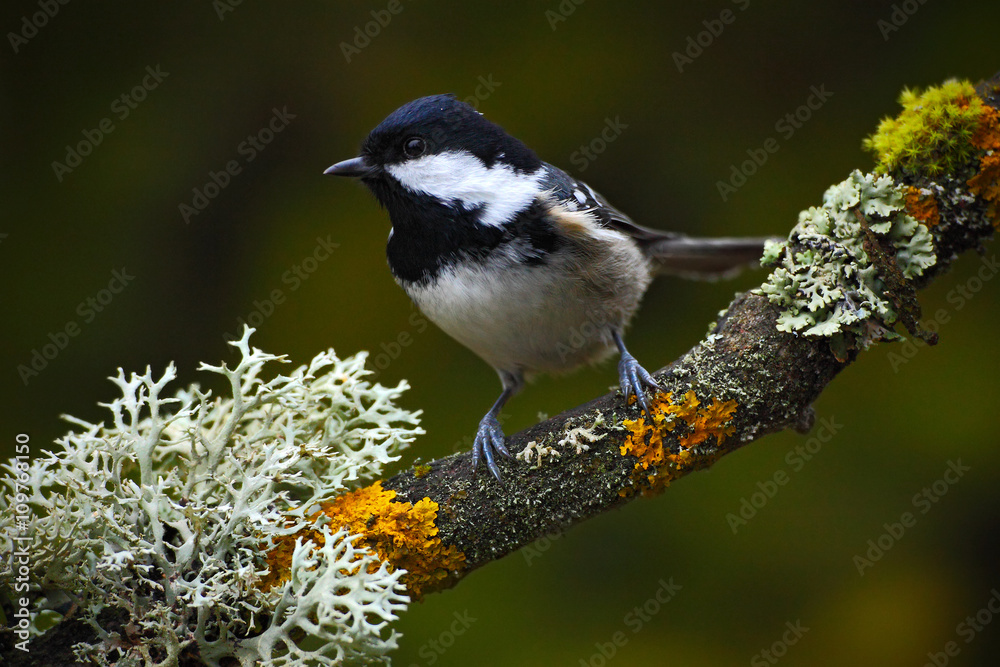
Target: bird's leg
x=489 y=437
x=633 y=378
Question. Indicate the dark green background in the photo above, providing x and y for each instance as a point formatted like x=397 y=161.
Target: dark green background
x=556 y=88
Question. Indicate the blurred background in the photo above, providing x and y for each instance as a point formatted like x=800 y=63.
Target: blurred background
x=279 y=91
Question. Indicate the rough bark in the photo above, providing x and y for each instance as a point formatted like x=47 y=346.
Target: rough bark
x=773 y=376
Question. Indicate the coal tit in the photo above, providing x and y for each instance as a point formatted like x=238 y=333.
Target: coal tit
x=520 y=262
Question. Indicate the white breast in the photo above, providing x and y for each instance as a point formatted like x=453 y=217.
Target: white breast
x=546 y=318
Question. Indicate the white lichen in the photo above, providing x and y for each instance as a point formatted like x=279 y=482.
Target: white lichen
x=708 y=342
x=572 y=437
x=830 y=286
x=166 y=514
x=539 y=451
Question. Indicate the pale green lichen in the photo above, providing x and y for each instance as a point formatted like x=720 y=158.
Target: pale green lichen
x=828 y=285
x=167 y=514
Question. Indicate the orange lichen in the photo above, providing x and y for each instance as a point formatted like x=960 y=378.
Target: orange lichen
x=657 y=463
x=986 y=183
x=402 y=534
x=922 y=206
x=987 y=135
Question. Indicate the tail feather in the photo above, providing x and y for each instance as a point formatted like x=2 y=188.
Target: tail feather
x=703 y=258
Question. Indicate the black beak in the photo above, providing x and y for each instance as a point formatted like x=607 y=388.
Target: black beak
x=355 y=167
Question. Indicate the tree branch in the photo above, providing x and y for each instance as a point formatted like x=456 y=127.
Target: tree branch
x=773 y=376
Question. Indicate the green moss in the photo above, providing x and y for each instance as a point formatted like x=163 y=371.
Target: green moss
x=830 y=285
x=932 y=134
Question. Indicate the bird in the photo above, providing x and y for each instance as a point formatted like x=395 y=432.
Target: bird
x=525 y=265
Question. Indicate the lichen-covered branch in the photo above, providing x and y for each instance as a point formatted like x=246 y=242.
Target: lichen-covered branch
x=846 y=276
x=181 y=531
x=258 y=528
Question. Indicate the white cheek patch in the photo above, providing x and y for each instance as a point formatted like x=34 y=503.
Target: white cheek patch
x=462 y=178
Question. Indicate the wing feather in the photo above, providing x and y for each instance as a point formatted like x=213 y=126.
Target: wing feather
x=670 y=252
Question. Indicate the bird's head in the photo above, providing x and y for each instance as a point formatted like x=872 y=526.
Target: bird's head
x=439 y=151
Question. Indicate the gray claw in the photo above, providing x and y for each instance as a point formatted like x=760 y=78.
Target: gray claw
x=634 y=380
x=489 y=441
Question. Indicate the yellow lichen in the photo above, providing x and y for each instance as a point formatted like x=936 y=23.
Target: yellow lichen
x=657 y=464
x=712 y=420
x=942 y=130
x=922 y=206
x=932 y=134
x=402 y=534
x=986 y=183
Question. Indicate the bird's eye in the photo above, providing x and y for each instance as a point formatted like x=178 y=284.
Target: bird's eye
x=414 y=147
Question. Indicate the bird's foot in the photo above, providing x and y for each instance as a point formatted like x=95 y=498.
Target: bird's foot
x=489 y=441
x=634 y=380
